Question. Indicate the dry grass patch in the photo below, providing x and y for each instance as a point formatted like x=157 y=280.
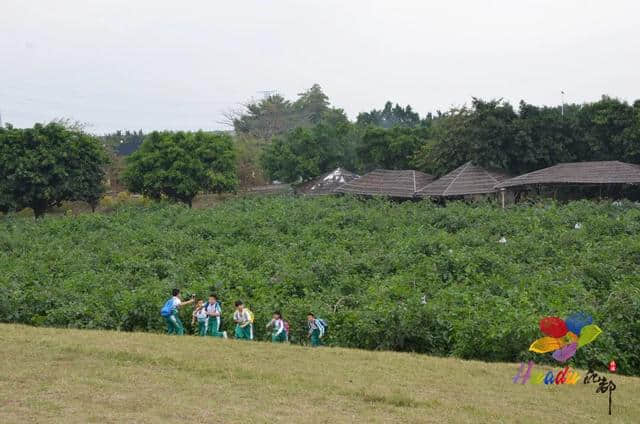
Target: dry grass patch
x=71 y=376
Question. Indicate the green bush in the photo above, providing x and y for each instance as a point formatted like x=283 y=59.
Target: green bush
x=403 y=276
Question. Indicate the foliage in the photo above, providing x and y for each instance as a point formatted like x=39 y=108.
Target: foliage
x=494 y=135
x=390 y=116
x=390 y=148
x=248 y=169
x=490 y=133
x=305 y=153
x=312 y=104
x=179 y=165
x=408 y=276
x=273 y=115
x=43 y=166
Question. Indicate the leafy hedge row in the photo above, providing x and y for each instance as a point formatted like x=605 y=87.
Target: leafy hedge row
x=403 y=276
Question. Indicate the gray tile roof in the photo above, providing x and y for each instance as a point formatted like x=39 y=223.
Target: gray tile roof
x=390 y=183
x=602 y=172
x=465 y=180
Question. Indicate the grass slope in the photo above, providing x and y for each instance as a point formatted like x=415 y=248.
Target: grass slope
x=76 y=376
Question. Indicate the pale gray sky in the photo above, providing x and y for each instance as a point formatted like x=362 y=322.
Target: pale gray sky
x=157 y=64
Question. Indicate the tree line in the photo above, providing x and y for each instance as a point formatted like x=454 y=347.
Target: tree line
x=294 y=141
x=491 y=133
x=44 y=166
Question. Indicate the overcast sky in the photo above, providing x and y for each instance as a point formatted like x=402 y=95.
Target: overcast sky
x=156 y=64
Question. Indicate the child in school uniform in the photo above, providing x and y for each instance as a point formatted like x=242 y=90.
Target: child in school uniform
x=316 y=330
x=243 y=320
x=214 y=312
x=170 y=312
x=279 y=332
x=200 y=315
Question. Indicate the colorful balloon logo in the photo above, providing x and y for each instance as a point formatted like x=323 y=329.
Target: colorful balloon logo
x=565 y=337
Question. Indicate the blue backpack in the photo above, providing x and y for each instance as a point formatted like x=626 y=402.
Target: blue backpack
x=167 y=309
x=323 y=325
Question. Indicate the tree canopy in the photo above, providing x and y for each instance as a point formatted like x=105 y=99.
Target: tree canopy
x=273 y=115
x=390 y=148
x=389 y=116
x=312 y=104
x=179 y=165
x=493 y=134
x=43 y=166
x=305 y=153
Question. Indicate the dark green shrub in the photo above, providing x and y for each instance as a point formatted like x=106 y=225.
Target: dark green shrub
x=404 y=276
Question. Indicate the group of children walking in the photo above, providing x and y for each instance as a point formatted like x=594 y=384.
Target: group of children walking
x=208 y=314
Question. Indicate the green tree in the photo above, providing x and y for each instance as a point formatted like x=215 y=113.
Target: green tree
x=491 y=132
x=274 y=115
x=390 y=116
x=544 y=136
x=312 y=104
x=447 y=146
x=483 y=133
x=631 y=136
x=264 y=119
x=179 y=165
x=390 y=148
x=305 y=153
x=248 y=166
x=606 y=128
x=43 y=166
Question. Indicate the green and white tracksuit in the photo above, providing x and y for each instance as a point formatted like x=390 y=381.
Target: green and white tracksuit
x=316 y=331
x=174 y=325
x=214 y=312
x=201 y=317
x=244 y=327
x=279 y=334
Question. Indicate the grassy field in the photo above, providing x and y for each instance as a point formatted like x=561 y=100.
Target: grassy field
x=74 y=376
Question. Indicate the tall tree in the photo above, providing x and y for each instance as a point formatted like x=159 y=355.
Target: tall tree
x=631 y=136
x=390 y=116
x=390 y=148
x=43 y=166
x=274 y=115
x=545 y=136
x=271 y=116
x=492 y=134
x=483 y=134
x=305 y=153
x=605 y=125
x=179 y=165
x=448 y=144
x=312 y=104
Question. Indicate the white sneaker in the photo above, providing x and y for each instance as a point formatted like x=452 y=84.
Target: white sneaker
x=224 y=334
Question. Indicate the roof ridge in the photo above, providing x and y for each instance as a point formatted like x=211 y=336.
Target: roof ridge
x=444 y=193
x=486 y=171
